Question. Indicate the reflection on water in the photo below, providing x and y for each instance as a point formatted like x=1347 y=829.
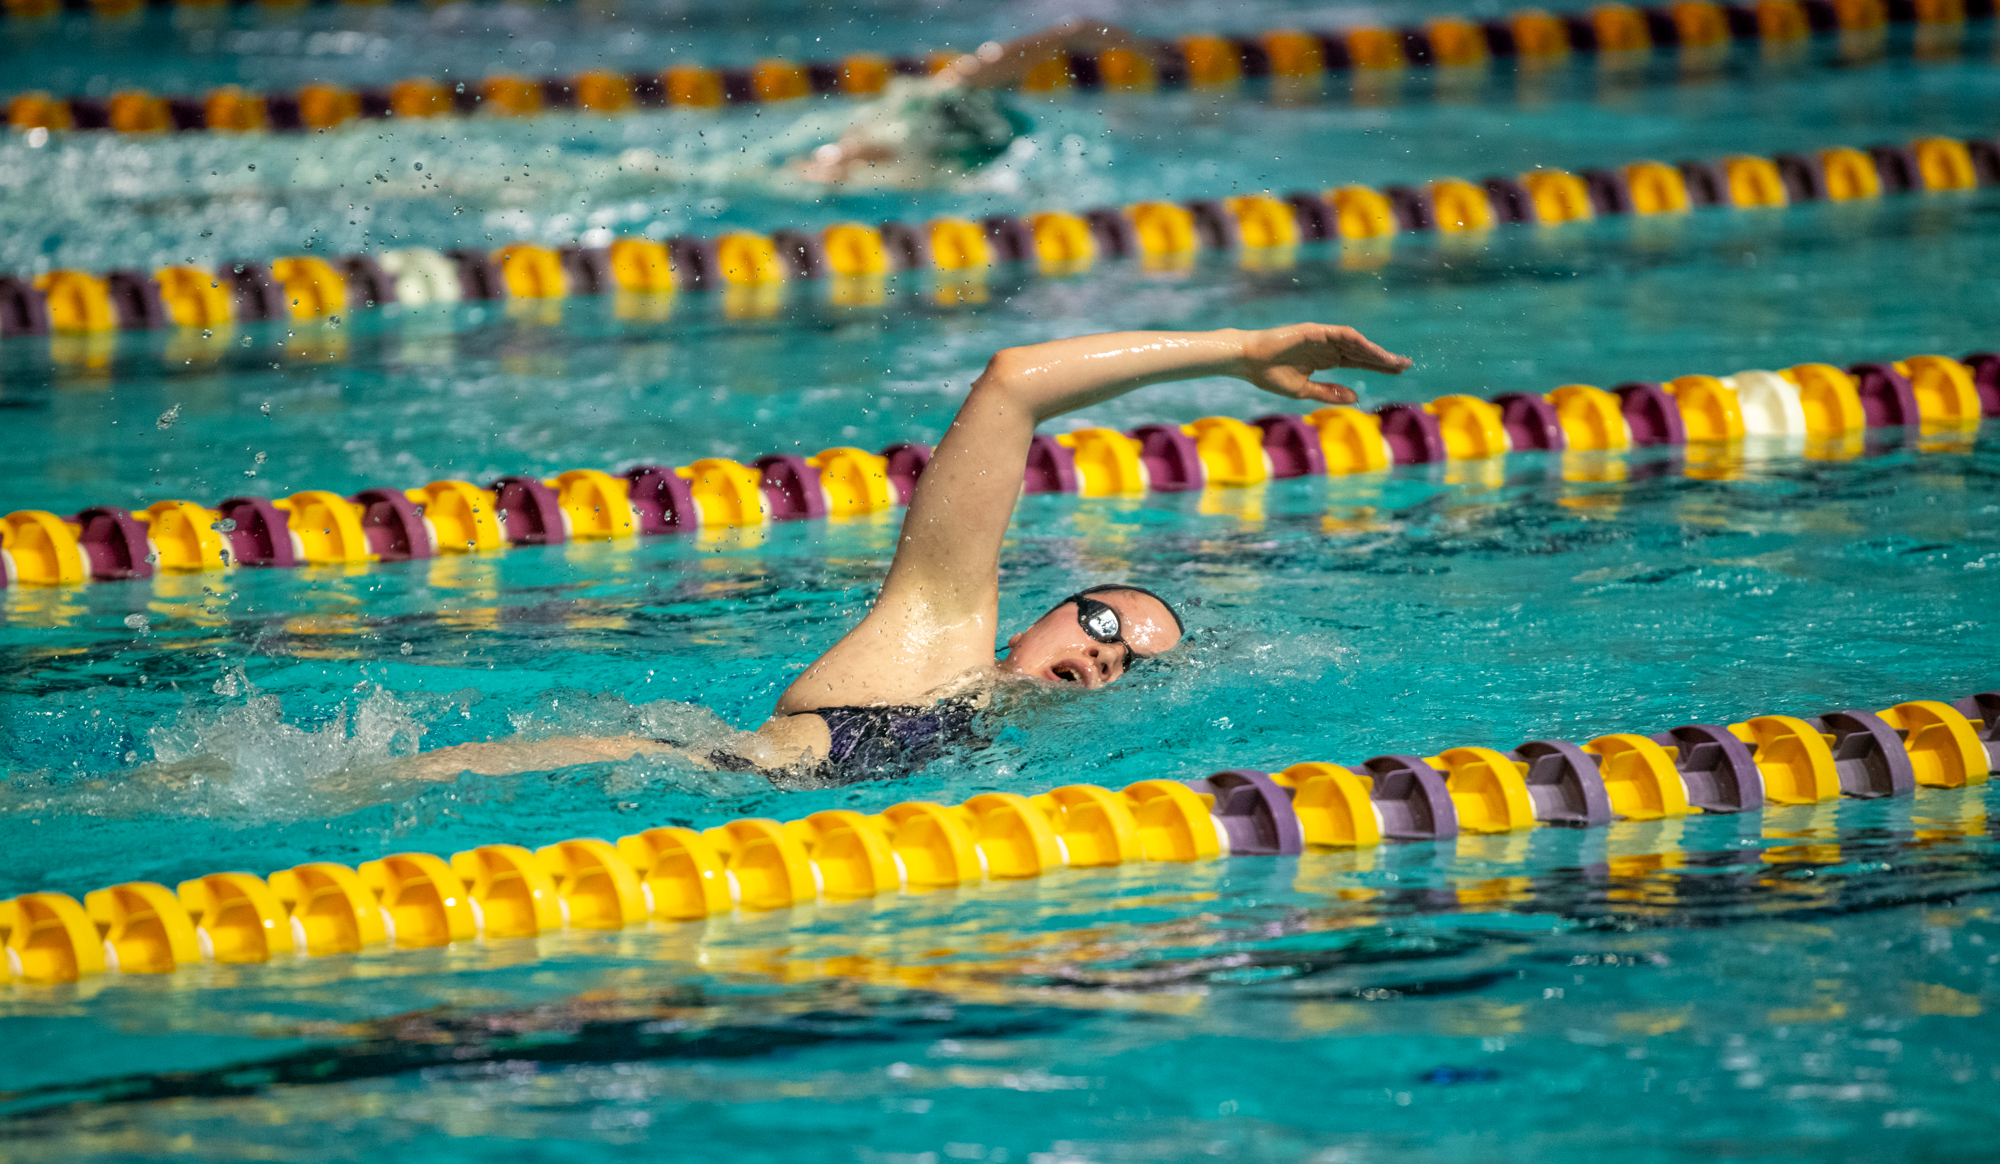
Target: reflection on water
x=1816 y=961
x=1805 y=982
x=1717 y=972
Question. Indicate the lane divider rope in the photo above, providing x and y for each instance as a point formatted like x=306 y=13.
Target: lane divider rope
x=673 y=874
x=855 y=259
x=1819 y=410
x=1697 y=31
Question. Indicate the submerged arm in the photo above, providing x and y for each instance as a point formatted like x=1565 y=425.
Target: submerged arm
x=936 y=612
x=510 y=757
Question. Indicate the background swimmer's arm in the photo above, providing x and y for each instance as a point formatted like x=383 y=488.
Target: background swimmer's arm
x=996 y=65
x=876 y=152
x=937 y=614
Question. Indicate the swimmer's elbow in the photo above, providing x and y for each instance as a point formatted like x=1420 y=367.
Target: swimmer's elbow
x=1004 y=384
x=1004 y=371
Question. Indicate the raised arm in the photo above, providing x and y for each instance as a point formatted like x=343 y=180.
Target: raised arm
x=936 y=615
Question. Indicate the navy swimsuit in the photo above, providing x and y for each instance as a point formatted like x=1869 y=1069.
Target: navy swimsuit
x=887 y=741
x=892 y=741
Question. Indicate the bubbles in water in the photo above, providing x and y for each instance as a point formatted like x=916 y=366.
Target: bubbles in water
x=139 y=622
x=167 y=418
x=237 y=755
x=407 y=649
x=244 y=760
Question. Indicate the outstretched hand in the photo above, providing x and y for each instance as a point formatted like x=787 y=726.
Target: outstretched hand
x=1281 y=360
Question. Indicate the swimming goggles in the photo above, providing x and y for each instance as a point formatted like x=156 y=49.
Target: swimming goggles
x=1101 y=623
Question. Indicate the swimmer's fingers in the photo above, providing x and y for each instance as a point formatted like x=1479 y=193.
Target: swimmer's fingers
x=1362 y=352
x=1343 y=347
x=1298 y=384
x=1318 y=346
x=1282 y=360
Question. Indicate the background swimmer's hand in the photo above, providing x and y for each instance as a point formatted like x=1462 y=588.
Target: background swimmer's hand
x=1281 y=360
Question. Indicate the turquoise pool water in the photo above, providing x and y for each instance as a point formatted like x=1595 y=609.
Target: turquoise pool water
x=402 y=398
x=1802 y=983
x=99 y=201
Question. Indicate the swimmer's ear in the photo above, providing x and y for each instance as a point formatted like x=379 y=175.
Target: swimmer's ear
x=1015 y=641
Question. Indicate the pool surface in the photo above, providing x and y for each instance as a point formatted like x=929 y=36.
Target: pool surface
x=1813 y=982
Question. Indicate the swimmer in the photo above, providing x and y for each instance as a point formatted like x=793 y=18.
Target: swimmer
x=906 y=682
x=926 y=128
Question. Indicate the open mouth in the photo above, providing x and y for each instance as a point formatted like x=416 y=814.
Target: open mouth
x=1067 y=672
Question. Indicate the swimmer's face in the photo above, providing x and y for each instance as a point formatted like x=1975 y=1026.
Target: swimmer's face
x=1057 y=649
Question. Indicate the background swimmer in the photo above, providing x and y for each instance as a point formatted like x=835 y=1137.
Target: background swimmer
x=924 y=129
x=906 y=682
